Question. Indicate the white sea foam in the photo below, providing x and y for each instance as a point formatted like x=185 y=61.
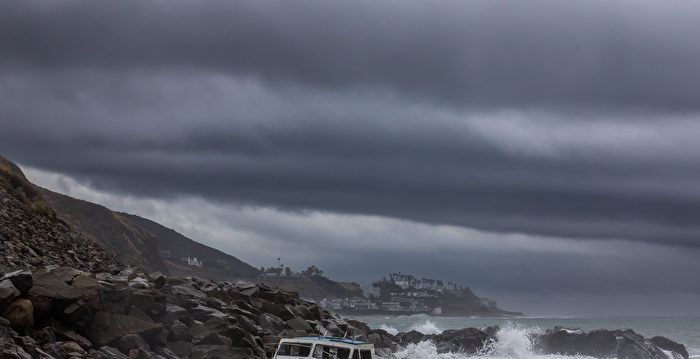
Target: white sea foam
x=426 y=327
x=513 y=343
x=389 y=329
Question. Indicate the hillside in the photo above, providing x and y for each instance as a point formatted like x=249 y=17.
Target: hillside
x=110 y=230
x=316 y=287
x=32 y=235
x=174 y=246
x=136 y=241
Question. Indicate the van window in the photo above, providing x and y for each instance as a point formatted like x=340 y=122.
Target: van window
x=365 y=354
x=330 y=352
x=294 y=350
x=356 y=354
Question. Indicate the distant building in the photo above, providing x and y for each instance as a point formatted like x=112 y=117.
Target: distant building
x=194 y=262
x=391 y=306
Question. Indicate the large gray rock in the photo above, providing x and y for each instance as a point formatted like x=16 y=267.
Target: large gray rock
x=21 y=279
x=107 y=328
x=668 y=344
x=467 y=340
x=605 y=344
x=8 y=290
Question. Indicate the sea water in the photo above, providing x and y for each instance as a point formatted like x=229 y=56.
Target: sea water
x=513 y=342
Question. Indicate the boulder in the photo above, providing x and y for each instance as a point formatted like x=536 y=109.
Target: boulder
x=181 y=348
x=50 y=285
x=280 y=310
x=410 y=337
x=299 y=324
x=668 y=344
x=72 y=349
x=21 y=279
x=271 y=323
x=78 y=314
x=133 y=341
x=107 y=328
x=179 y=331
x=220 y=352
x=8 y=290
x=467 y=340
x=158 y=279
x=20 y=313
x=604 y=344
x=84 y=343
x=140 y=283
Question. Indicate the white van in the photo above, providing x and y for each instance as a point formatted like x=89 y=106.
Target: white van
x=323 y=348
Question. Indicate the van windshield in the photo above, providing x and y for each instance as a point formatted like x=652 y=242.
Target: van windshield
x=294 y=350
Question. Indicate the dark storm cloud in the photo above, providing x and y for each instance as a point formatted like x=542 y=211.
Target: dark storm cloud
x=574 y=120
x=595 y=54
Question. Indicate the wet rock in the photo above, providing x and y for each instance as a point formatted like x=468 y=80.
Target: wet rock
x=599 y=343
x=668 y=344
x=468 y=340
x=410 y=337
x=603 y=344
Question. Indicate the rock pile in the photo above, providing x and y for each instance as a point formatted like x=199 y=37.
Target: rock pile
x=31 y=235
x=63 y=312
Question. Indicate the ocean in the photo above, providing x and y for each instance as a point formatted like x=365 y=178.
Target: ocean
x=513 y=342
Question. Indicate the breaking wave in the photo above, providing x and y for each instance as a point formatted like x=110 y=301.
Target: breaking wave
x=389 y=329
x=512 y=343
x=426 y=327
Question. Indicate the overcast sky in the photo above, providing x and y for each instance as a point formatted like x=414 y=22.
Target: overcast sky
x=544 y=153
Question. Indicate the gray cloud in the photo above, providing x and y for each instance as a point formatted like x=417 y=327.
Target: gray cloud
x=595 y=54
x=526 y=171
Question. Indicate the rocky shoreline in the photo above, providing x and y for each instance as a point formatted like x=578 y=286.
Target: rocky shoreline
x=62 y=312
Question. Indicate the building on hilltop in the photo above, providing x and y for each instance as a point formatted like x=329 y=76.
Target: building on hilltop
x=194 y=262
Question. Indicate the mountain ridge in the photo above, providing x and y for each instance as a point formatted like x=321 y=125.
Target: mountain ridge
x=137 y=241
